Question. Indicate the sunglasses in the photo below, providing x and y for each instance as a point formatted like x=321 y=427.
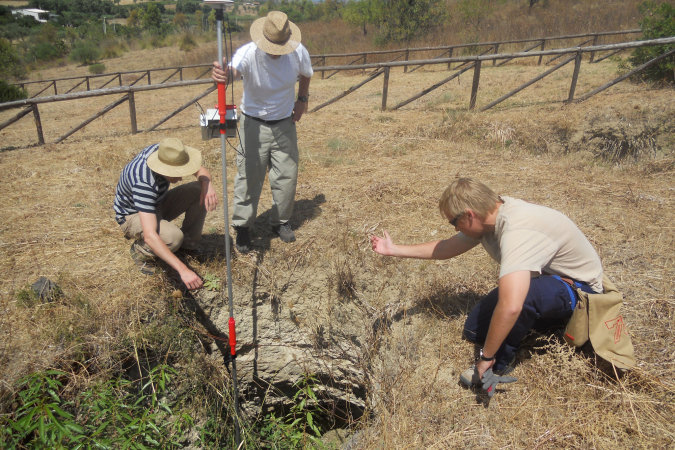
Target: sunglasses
x=454 y=220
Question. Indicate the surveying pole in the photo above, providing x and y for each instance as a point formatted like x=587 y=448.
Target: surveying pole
x=219 y=6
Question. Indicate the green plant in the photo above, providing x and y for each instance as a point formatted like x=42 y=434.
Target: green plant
x=116 y=413
x=9 y=92
x=85 y=52
x=299 y=428
x=211 y=282
x=187 y=42
x=658 y=21
x=97 y=68
x=10 y=62
x=41 y=419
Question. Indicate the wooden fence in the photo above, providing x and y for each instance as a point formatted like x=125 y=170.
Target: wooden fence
x=465 y=63
x=87 y=82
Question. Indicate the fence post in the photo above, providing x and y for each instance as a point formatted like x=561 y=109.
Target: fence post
x=543 y=42
x=474 y=86
x=119 y=76
x=54 y=83
x=385 y=89
x=407 y=58
x=132 y=112
x=450 y=56
x=365 y=56
x=38 y=124
x=595 y=42
x=575 y=76
x=149 y=77
x=494 y=61
x=323 y=63
x=88 y=83
x=180 y=74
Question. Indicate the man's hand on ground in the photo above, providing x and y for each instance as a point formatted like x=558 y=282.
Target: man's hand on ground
x=191 y=279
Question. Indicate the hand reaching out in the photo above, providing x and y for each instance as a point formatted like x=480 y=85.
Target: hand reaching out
x=382 y=245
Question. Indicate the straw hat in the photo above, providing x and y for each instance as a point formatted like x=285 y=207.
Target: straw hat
x=174 y=159
x=275 y=34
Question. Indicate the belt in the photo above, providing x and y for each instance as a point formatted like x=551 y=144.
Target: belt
x=266 y=122
x=569 y=284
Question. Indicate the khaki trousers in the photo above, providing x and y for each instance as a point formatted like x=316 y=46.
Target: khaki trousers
x=265 y=147
x=179 y=200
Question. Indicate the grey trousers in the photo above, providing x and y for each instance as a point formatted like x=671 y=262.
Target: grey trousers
x=179 y=200
x=265 y=147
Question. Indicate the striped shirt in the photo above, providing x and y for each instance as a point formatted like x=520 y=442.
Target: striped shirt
x=139 y=188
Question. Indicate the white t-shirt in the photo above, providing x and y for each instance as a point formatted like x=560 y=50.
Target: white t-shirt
x=540 y=239
x=269 y=83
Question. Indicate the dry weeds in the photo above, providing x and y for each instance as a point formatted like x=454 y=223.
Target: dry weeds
x=363 y=171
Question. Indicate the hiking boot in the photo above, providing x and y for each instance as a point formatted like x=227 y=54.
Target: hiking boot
x=243 y=241
x=469 y=377
x=146 y=264
x=285 y=232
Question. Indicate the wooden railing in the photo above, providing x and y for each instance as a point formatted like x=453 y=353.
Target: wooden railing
x=465 y=63
x=167 y=73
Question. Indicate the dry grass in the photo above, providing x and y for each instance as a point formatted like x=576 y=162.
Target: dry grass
x=362 y=171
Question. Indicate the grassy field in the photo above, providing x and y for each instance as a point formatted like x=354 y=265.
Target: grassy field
x=607 y=163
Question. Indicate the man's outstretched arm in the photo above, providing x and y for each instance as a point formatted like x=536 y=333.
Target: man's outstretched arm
x=441 y=249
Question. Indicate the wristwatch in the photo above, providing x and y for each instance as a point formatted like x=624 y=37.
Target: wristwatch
x=485 y=358
x=303 y=98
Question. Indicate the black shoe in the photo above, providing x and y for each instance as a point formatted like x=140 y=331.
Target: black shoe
x=285 y=232
x=243 y=241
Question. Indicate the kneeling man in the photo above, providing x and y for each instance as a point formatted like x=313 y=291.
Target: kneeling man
x=543 y=258
x=144 y=205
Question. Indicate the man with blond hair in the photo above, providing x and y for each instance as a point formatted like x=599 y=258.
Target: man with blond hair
x=542 y=255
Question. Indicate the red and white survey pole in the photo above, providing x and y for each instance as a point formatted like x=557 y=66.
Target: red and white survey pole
x=222 y=111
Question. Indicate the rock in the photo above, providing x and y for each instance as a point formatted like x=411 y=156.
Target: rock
x=46 y=290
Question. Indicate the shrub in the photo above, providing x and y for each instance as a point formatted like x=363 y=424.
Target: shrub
x=85 y=52
x=658 y=21
x=112 y=414
x=11 y=65
x=97 y=68
x=187 y=42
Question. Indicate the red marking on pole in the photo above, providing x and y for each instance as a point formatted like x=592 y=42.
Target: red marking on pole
x=233 y=337
x=569 y=336
x=222 y=107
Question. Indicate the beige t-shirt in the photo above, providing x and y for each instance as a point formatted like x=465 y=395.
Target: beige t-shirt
x=540 y=239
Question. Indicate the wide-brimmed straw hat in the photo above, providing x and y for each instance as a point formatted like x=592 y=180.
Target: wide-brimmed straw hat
x=175 y=159
x=275 y=34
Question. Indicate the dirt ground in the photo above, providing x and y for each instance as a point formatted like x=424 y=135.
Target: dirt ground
x=363 y=171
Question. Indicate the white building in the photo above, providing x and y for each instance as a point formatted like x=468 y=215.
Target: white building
x=38 y=14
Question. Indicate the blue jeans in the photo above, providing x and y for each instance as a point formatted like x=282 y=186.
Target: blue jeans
x=547 y=306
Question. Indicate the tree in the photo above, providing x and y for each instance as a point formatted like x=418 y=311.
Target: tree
x=658 y=21
x=359 y=13
x=401 y=20
x=11 y=65
x=152 y=17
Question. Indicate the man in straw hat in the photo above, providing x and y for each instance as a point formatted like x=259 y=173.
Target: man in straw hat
x=144 y=205
x=269 y=66
x=543 y=256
